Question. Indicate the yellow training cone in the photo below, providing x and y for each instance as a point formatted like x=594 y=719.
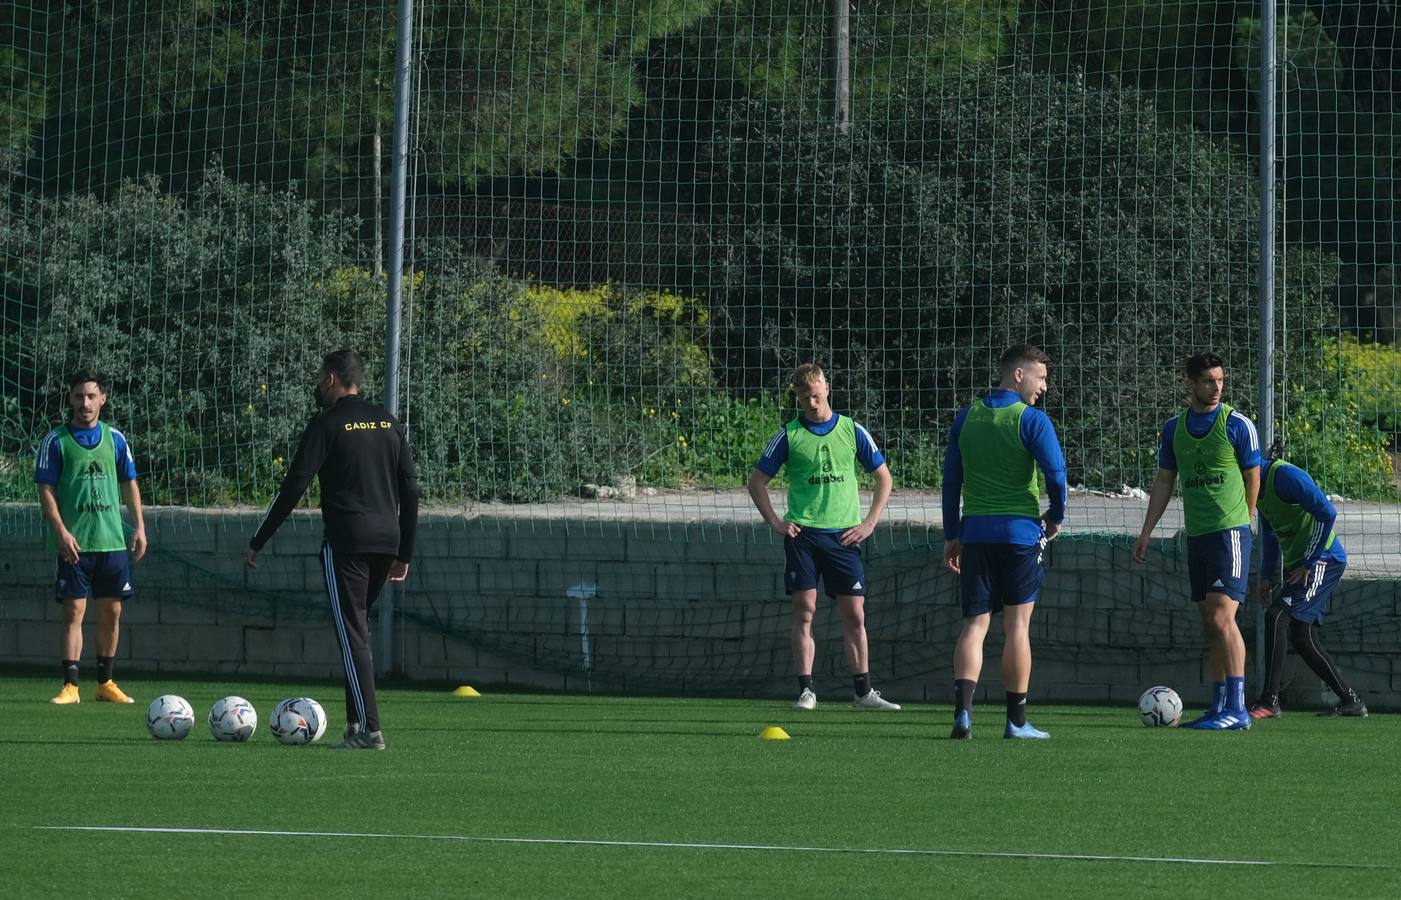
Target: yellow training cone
x=466 y=691
x=774 y=733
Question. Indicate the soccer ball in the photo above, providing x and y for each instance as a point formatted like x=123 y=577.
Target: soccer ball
x=232 y=719
x=300 y=720
x=169 y=718
x=1160 y=707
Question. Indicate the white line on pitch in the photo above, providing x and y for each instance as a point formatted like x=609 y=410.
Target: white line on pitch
x=678 y=845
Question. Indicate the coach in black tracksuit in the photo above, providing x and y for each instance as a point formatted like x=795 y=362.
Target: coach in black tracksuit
x=369 y=506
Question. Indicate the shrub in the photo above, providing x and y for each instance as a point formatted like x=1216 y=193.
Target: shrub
x=208 y=313
x=1371 y=378
x=1004 y=206
x=1330 y=418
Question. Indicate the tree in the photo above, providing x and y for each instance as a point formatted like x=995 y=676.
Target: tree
x=1004 y=207
x=1200 y=62
x=775 y=50
x=22 y=95
x=292 y=91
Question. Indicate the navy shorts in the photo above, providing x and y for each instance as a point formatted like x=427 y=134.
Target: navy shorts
x=992 y=576
x=820 y=554
x=1219 y=563
x=95 y=574
x=1309 y=603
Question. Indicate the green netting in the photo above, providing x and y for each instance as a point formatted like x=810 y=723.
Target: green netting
x=629 y=220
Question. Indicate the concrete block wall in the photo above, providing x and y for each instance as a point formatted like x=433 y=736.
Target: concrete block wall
x=495 y=601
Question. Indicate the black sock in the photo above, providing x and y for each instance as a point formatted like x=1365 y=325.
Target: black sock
x=104 y=669
x=1304 y=636
x=1276 y=621
x=70 y=671
x=804 y=683
x=1016 y=708
x=862 y=684
x=963 y=695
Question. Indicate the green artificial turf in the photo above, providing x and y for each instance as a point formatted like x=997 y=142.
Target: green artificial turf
x=1316 y=799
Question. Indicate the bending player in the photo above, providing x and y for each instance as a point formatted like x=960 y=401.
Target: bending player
x=1296 y=521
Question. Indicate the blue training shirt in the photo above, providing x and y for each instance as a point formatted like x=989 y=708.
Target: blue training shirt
x=48 y=462
x=776 y=452
x=1039 y=438
x=1293 y=485
x=1240 y=431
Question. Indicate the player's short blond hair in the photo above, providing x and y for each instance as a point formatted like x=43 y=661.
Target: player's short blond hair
x=807 y=374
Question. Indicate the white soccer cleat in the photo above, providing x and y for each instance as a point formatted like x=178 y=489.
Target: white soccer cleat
x=874 y=700
x=806 y=700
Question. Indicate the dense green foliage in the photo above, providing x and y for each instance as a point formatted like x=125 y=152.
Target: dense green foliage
x=211 y=311
x=777 y=50
x=1053 y=172
x=943 y=235
x=210 y=315
x=1199 y=61
x=289 y=91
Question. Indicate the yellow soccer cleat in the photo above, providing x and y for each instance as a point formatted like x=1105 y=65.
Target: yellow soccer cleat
x=68 y=695
x=110 y=693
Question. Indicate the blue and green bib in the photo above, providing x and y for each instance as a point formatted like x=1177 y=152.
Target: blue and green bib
x=822 y=489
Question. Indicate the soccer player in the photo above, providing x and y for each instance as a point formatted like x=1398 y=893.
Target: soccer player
x=369 y=507
x=995 y=545
x=1296 y=521
x=84 y=471
x=1219 y=452
x=823 y=528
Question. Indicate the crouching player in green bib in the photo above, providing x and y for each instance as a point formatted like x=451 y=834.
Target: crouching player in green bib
x=1217 y=452
x=1296 y=523
x=823 y=528
x=995 y=541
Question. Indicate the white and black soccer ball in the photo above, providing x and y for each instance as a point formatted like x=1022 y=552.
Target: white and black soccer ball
x=169 y=718
x=1160 y=707
x=232 y=719
x=300 y=720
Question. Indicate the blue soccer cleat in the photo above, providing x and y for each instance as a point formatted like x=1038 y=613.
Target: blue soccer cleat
x=1201 y=720
x=962 y=727
x=1227 y=721
x=1027 y=732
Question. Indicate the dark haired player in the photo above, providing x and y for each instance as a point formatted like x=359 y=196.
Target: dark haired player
x=1218 y=453
x=369 y=506
x=1296 y=522
x=84 y=470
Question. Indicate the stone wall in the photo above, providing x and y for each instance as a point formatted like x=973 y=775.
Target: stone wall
x=495 y=601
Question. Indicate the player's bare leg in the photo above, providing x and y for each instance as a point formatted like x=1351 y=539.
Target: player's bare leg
x=968 y=652
x=109 y=618
x=71 y=639
x=1215 y=637
x=804 y=649
x=71 y=646
x=1016 y=671
x=853 y=613
x=1218 y=615
x=109 y=623
x=967 y=667
x=1016 y=651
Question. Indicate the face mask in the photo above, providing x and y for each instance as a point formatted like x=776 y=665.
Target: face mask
x=318 y=396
